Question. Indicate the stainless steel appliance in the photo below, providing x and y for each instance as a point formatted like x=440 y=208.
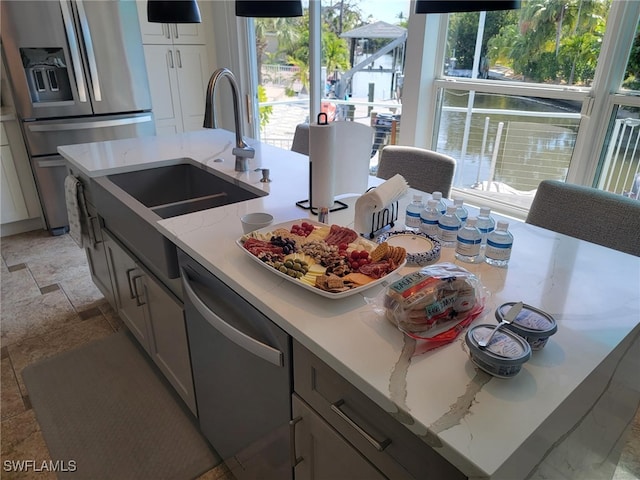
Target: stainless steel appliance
x=242 y=374
x=78 y=75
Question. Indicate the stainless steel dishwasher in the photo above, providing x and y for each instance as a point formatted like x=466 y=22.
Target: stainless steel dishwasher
x=242 y=373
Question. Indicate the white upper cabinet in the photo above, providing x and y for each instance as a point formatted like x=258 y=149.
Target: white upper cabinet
x=169 y=33
x=178 y=70
x=178 y=77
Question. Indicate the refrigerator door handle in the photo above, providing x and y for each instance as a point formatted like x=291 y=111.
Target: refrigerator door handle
x=74 y=50
x=93 y=67
x=51 y=163
x=54 y=127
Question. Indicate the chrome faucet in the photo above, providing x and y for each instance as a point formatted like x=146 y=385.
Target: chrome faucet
x=242 y=151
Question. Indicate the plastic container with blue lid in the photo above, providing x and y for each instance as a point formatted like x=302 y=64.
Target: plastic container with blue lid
x=532 y=324
x=503 y=356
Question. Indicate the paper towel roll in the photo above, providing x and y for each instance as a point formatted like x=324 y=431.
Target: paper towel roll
x=322 y=147
x=353 y=142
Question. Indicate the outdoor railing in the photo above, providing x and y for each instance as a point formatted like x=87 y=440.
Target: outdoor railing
x=282 y=75
x=515 y=152
x=622 y=161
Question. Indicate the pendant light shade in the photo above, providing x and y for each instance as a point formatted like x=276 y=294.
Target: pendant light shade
x=451 y=6
x=173 y=11
x=267 y=8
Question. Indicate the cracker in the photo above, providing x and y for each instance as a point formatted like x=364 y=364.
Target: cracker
x=380 y=252
x=398 y=255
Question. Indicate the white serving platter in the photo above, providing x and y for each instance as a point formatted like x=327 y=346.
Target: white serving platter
x=295 y=281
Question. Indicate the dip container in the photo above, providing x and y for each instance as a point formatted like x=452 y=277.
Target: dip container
x=532 y=324
x=503 y=356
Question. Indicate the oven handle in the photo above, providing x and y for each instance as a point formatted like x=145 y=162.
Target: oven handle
x=73 y=50
x=93 y=66
x=54 y=127
x=241 y=339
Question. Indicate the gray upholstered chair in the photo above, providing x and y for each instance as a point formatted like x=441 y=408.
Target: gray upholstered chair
x=423 y=169
x=587 y=213
x=301 y=139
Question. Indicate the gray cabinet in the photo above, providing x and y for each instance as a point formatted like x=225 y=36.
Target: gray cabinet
x=95 y=248
x=321 y=453
x=359 y=425
x=97 y=257
x=128 y=291
x=154 y=315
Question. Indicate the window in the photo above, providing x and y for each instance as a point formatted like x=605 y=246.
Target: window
x=513 y=118
x=362 y=50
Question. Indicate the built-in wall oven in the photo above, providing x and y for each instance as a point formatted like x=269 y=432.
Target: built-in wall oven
x=242 y=373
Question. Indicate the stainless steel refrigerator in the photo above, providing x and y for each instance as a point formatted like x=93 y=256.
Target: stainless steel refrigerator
x=77 y=74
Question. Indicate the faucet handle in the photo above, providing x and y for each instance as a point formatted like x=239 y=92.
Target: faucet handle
x=245 y=151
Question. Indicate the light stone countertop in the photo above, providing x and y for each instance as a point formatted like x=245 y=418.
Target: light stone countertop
x=566 y=411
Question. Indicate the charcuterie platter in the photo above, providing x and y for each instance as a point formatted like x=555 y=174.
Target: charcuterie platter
x=329 y=260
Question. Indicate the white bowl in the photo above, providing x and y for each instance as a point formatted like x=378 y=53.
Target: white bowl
x=255 y=221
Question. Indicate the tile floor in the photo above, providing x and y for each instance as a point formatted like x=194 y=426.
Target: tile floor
x=49 y=305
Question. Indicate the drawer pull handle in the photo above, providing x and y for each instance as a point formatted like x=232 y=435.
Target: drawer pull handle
x=132 y=295
x=380 y=446
x=139 y=302
x=295 y=459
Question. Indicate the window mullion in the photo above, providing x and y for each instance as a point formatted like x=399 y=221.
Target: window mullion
x=622 y=23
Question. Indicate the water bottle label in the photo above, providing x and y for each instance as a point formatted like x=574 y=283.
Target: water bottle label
x=498 y=251
x=499 y=245
x=447 y=234
x=470 y=241
x=468 y=248
x=428 y=222
x=412 y=219
x=487 y=230
x=453 y=228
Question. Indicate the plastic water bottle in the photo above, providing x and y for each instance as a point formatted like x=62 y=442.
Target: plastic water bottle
x=486 y=224
x=461 y=211
x=468 y=242
x=429 y=218
x=499 y=243
x=412 y=218
x=442 y=207
x=448 y=227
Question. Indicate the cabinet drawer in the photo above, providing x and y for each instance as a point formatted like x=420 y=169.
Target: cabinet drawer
x=381 y=439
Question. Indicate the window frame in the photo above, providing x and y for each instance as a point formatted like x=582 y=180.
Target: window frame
x=423 y=82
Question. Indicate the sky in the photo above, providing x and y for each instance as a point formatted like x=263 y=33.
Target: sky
x=386 y=10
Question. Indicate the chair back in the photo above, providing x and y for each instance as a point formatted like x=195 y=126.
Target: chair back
x=301 y=139
x=423 y=169
x=589 y=214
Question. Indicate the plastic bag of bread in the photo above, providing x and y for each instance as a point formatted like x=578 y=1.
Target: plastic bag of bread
x=434 y=304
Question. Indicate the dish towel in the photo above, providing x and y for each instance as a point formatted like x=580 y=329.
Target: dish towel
x=377 y=199
x=76 y=211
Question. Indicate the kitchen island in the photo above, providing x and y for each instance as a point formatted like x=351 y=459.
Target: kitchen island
x=565 y=415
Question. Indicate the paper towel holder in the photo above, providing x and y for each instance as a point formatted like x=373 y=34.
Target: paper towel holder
x=306 y=204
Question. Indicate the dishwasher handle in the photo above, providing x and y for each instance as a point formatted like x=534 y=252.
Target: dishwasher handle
x=250 y=344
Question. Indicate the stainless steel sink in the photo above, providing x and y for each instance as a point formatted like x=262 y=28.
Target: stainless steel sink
x=178 y=189
x=131 y=204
